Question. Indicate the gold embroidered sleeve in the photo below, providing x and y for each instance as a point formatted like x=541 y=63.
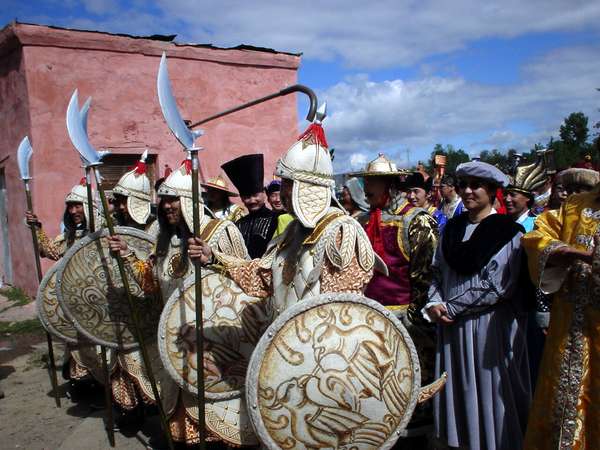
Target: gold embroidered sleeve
x=348 y=265
x=353 y=278
x=143 y=272
x=231 y=242
x=50 y=248
x=539 y=244
x=422 y=238
x=254 y=276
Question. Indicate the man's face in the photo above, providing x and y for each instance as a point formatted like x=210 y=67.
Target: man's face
x=76 y=211
x=275 y=201
x=516 y=203
x=171 y=206
x=377 y=191
x=254 y=202
x=447 y=191
x=120 y=207
x=475 y=193
x=285 y=195
x=216 y=199
x=417 y=197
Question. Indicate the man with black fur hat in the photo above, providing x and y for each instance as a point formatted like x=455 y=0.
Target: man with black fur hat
x=246 y=173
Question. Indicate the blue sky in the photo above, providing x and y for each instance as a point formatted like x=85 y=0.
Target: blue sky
x=399 y=76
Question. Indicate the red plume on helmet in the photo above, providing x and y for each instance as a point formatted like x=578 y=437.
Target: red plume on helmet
x=140 y=167
x=82 y=182
x=315 y=133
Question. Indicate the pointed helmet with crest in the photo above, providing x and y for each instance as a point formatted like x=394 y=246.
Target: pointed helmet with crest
x=179 y=184
x=528 y=178
x=307 y=163
x=78 y=194
x=135 y=185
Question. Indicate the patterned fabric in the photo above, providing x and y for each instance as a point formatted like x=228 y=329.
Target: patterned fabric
x=159 y=274
x=566 y=408
x=123 y=390
x=185 y=429
x=51 y=248
x=258 y=228
x=77 y=371
x=334 y=257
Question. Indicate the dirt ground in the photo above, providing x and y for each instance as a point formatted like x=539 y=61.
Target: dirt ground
x=29 y=418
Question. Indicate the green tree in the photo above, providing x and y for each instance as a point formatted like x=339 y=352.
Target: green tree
x=574 y=131
x=496 y=158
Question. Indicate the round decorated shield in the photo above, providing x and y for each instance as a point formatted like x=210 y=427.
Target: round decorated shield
x=226 y=419
x=49 y=311
x=335 y=371
x=232 y=322
x=90 y=290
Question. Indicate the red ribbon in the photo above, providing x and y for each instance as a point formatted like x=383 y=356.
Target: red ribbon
x=315 y=130
x=373 y=230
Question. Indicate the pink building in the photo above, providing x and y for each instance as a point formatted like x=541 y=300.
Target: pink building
x=40 y=67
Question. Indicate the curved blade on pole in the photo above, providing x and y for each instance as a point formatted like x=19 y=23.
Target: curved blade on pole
x=85 y=109
x=78 y=134
x=23 y=156
x=169 y=108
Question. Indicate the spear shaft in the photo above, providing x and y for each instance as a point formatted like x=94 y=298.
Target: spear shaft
x=110 y=429
x=198 y=296
x=133 y=312
x=38 y=266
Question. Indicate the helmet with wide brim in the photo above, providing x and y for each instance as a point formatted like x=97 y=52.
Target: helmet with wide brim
x=218 y=183
x=380 y=167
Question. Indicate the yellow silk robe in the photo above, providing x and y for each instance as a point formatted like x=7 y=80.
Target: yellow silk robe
x=566 y=407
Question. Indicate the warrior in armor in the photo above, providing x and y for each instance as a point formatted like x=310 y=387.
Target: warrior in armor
x=133 y=199
x=217 y=198
x=165 y=271
x=258 y=227
x=405 y=237
x=323 y=250
x=78 y=359
x=132 y=202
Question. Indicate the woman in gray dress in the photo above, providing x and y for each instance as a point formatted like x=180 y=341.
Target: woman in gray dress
x=477 y=301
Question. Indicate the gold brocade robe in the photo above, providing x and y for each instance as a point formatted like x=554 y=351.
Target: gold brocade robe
x=566 y=407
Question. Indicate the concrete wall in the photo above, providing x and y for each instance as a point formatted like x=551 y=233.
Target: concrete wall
x=119 y=73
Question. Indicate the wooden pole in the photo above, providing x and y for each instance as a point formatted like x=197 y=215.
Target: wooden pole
x=133 y=312
x=198 y=295
x=110 y=428
x=38 y=266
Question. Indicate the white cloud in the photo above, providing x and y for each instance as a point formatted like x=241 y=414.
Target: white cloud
x=358 y=160
x=385 y=33
x=388 y=116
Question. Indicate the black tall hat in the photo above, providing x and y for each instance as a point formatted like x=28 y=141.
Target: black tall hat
x=417 y=180
x=246 y=173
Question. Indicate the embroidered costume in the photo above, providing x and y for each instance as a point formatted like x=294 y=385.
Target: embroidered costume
x=565 y=413
x=165 y=272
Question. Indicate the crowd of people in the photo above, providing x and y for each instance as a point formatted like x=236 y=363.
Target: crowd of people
x=496 y=277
